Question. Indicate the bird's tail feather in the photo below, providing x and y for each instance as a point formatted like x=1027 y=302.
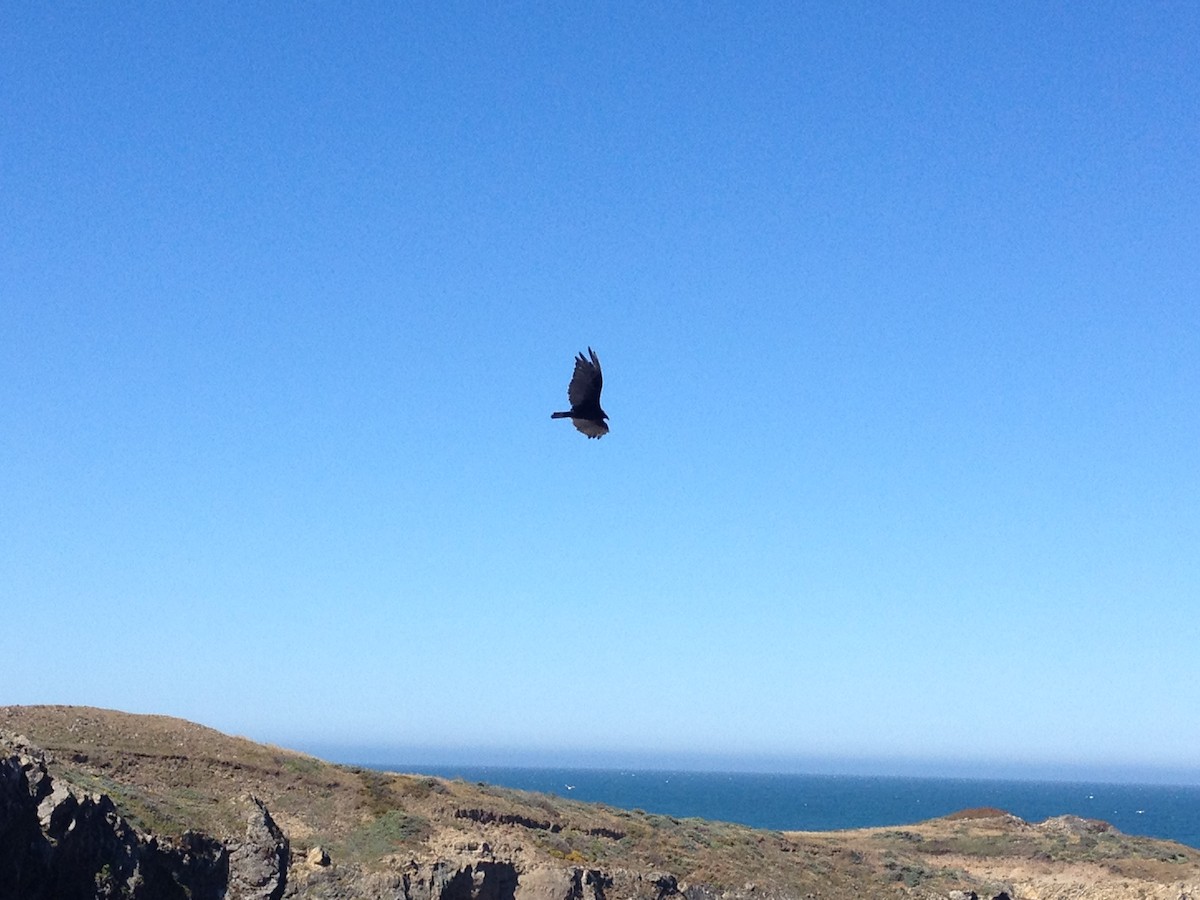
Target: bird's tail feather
x=560 y=415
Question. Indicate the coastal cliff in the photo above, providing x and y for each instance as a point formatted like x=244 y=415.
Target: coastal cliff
x=95 y=803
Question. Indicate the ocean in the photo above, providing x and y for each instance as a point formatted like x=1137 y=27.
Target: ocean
x=828 y=802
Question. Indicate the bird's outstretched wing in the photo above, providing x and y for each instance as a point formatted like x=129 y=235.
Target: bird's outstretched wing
x=587 y=381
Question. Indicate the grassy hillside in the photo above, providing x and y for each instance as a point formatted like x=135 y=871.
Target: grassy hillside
x=167 y=776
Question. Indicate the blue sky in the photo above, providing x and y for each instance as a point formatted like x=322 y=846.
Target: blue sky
x=898 y=310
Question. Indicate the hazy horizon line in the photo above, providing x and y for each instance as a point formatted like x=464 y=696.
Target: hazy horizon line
x=412 y=758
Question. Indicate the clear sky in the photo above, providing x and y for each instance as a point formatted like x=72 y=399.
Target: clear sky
x=899 y=311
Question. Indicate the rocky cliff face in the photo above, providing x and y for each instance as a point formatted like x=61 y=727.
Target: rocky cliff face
x=60 y=843
x=117 y=805
x=57 y=843
x=463 y=879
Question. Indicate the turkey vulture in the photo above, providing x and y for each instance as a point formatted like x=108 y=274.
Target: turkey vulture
x=583 y=393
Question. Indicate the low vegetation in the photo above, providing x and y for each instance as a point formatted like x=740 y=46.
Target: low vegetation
x=168 y=776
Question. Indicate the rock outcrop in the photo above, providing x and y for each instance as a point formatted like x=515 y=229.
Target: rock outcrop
x=60 y=843
x=104 y=804
x=258 y=865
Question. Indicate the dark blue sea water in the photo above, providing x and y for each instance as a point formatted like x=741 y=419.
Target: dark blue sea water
x=821 y=802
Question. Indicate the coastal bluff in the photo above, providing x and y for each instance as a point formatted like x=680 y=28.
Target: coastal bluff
x=105 y=804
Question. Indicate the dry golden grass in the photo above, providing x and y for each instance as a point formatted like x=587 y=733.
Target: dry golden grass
x=168 y=775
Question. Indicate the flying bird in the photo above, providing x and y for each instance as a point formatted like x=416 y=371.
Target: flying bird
x=583 y=393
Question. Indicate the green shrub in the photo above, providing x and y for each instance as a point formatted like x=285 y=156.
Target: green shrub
x=387 y=834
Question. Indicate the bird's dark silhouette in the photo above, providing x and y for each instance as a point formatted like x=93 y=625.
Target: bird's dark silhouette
x=583 y=393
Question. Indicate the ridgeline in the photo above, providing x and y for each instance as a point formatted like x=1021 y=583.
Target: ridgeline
x=98 y=803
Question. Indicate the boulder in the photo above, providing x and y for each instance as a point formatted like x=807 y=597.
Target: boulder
x=317 y=856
